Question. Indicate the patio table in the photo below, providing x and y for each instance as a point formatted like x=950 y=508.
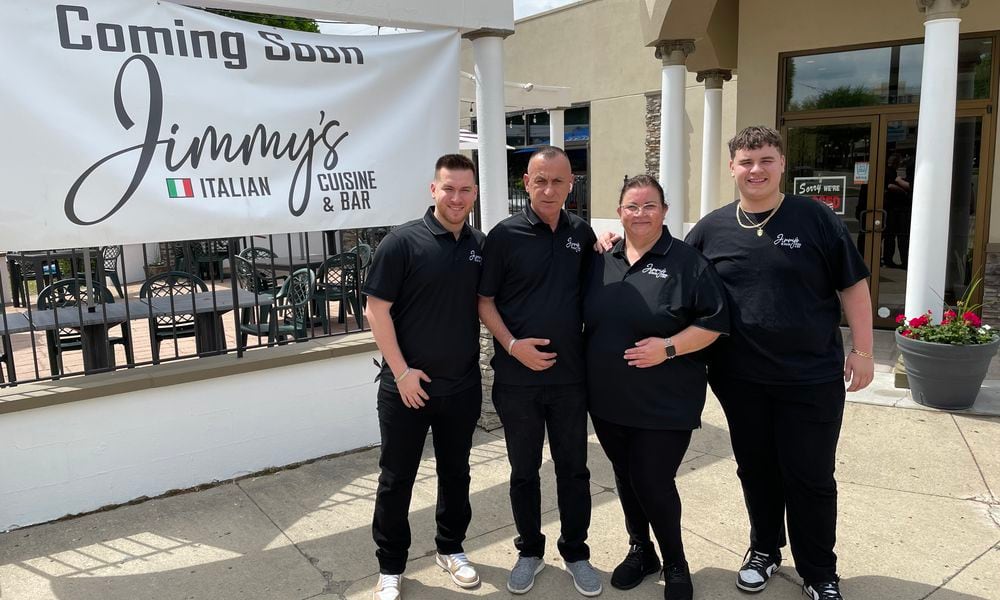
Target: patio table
x=93 y=323
x=207 y=308
x=285 y=264
x=36 y=259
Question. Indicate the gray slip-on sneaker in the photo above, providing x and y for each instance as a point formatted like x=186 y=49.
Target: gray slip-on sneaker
x=585 y=578
x=522 y=576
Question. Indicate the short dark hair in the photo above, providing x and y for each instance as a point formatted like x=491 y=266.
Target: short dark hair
x=642 y=181
x=454 y=162
x=548 y=152
x=755 y=137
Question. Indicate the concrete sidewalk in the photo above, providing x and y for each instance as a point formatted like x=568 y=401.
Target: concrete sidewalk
x=919 y=518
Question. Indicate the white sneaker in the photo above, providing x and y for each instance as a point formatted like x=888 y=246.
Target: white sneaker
x=756 y=570
x=461 y=570
x=387 y=587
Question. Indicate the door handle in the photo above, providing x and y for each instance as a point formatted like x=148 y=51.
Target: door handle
x=878 y=223
x=878 y=226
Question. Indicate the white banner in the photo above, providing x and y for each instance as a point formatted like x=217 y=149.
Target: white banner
x=129 y=121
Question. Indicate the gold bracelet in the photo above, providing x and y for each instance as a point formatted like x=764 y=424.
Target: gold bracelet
x=405 y=373
x=862 y=354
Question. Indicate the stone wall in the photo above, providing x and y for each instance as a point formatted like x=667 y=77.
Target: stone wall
x=991 y=286
x=489 y=420
x=653 y=134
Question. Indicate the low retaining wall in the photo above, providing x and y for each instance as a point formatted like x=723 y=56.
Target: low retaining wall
x=77 y=445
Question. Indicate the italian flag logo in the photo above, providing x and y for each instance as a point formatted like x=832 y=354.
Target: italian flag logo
x=180 y=188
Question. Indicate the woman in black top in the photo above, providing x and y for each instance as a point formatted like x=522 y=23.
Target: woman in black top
x=651 y=304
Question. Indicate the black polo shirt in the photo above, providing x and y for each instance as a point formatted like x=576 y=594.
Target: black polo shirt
x=669 y=289
x=535 y=275
x=782 y=290
x=431 y=279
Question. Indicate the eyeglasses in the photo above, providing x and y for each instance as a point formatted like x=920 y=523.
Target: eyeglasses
x=634 y=209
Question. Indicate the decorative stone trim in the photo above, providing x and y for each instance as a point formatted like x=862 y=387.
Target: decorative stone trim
x=991 y=286
x=487 y=32
x=488 y=418
x=40 y=394
x=941 y=9
x=714 y=78
x=674 y=52
x=652 y=134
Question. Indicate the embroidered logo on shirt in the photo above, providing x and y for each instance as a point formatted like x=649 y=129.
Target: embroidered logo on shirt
x=781 y=240
x=654 y=272
x=476 y=258
x=574 y=246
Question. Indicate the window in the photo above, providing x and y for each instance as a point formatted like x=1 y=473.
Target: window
x=878 y=76
x=515 y=130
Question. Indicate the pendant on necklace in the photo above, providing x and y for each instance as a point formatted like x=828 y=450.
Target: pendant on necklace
x=760 y=232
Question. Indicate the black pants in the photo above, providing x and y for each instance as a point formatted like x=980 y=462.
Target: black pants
x=645 y=462
x=452 y=419
x=526 y=412
x=785 y=441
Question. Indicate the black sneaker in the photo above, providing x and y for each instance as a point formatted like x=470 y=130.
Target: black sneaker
x=827 y=590
x=678 y=582
x=638 y=563
x=756 y=570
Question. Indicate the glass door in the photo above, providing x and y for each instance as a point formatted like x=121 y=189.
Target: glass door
x=895 y=197
x=832 y=161
x=863 y=168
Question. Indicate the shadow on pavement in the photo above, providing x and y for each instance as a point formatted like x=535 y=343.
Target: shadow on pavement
x=291 y=535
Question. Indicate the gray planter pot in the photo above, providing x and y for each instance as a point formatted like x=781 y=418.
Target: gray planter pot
x=943 y=375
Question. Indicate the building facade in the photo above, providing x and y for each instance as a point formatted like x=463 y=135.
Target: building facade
x=851 y=85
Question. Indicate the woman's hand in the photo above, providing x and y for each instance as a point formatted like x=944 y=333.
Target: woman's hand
x=647 y=353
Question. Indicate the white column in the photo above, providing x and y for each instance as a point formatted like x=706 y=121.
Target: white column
x=711 y=145
x=557 y=127
x=673 y=150
x=928 y=254
x=487 y=50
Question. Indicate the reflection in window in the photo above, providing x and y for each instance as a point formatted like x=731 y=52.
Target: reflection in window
x=877 y=76
x=515 y=131
x=578 y=124
x=538 y=128
x=530 y=129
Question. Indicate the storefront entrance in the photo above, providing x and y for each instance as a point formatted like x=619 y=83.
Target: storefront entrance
x=862 y=167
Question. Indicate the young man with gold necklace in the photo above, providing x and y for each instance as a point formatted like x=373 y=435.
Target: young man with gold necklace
x=789 y=266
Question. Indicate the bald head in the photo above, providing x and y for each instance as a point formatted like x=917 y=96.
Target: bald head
x=548 y=182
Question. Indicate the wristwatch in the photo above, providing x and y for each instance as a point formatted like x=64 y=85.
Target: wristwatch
x=668 y=344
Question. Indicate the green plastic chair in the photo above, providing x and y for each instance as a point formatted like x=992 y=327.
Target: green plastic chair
x=173 y=326
x=337 y=281
x=288 y=314
x=69 y=293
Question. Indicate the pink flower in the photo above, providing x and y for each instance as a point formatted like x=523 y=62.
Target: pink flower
x=920 y=321
x=949 y=316
x=900 y=319
x=906 y=333
x=972 y=319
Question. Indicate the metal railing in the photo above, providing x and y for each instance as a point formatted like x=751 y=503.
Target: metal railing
x=577 y=202
x=71 y=312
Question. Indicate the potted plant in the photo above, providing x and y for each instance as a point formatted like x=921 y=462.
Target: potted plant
x=946 y=362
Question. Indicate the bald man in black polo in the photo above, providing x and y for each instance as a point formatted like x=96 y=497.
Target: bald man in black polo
x=423 y=313
x=530 y=300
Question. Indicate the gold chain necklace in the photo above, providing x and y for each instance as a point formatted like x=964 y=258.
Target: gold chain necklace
x=753 y=223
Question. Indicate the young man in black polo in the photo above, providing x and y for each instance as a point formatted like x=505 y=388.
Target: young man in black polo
x=530 y=300
x=423 y=314
x=788 y=265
